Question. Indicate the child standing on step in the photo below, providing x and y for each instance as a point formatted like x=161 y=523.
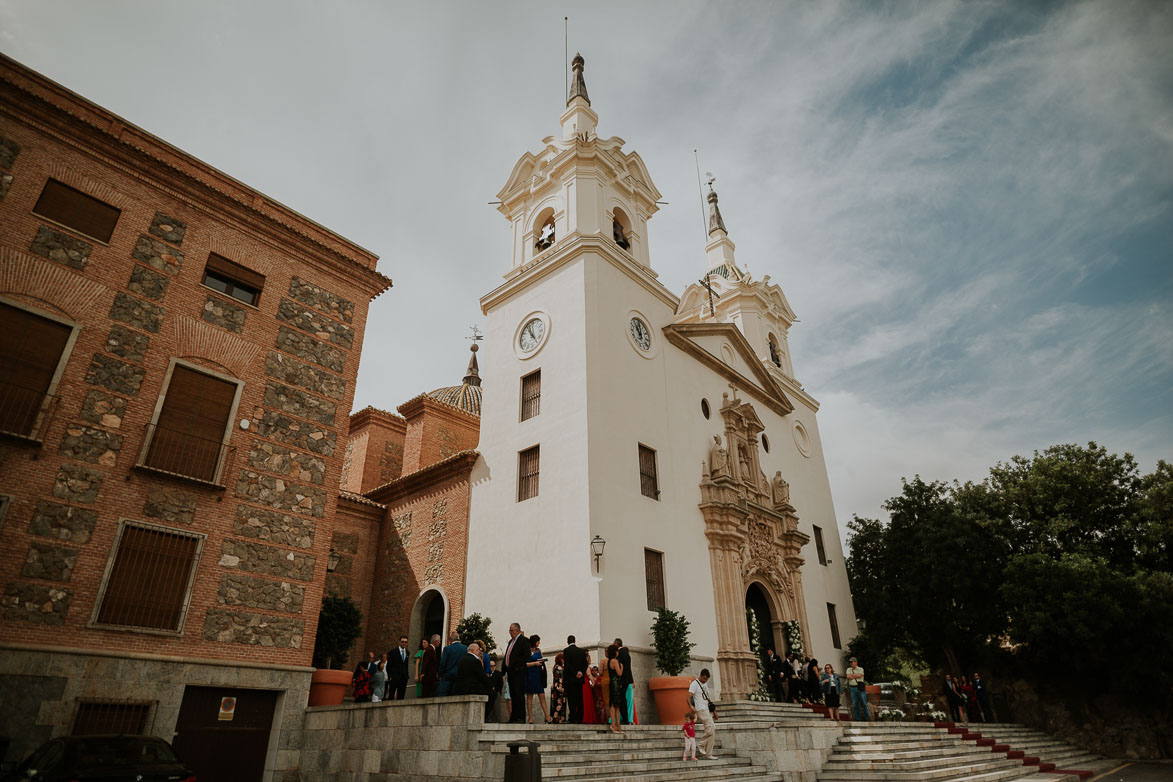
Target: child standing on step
x=689 y=736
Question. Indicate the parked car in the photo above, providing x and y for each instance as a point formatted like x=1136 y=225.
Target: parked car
x=102 y=759
x=887 y=691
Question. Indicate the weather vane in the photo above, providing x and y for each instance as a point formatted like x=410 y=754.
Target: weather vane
x=477 y=336
x=711 y=179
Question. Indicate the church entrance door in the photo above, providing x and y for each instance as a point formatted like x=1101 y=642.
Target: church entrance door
x=428 y=617
x=757 y=607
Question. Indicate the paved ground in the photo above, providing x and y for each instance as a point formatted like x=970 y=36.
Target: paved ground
x=1140 y=772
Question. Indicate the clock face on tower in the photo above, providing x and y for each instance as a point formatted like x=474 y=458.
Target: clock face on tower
x=531 y=334
x=640 y=333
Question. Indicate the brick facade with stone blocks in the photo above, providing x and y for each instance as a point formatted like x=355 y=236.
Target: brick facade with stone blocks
x=106 y=233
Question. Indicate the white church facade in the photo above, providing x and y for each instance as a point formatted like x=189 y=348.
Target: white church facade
x=637 y=447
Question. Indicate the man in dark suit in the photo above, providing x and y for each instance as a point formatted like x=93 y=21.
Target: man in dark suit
x=449 y=662
x=628 y=682
x=517 y=654
x=774 y=674
x=470 y=676
x=397 y=665
x=574 y=661
x=431 y=667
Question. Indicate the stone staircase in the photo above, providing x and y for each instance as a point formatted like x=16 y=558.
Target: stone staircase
x=941 y=752
x=644 y=753
x=1031 y=747
x=759 y=712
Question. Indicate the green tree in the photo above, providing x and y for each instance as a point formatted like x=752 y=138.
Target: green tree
x=339 y=625
x=475 y=627
x=670 y=637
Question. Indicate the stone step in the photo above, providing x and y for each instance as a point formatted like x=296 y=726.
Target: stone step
x=917 y=764
x=632 y=768
x=568 y=748
x=904 y=755
x=954 y=774
x=699 y=769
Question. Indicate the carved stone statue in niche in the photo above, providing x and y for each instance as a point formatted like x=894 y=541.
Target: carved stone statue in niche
x=781 y=490
x=743 y=458
x=718 y=458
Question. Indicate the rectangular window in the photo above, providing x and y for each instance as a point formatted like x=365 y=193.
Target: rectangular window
x=649 y=484
x=31 y=349
x=654 y=578
x=188 y=436
x=73 y=208
x=150 y=578
x=96 y=718
x=531 y=395
x=822 y=552
x=527 y=473
x=834 y=626
x=234 y=280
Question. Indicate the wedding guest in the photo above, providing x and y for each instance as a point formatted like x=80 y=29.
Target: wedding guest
x=360 y=680
x=628 y=711
x=605 y=687
x=615 y=671
x=379 y=680
x=558 y=690
x=983 y=697
x=575 y=668
x=431 y=667
x=398 y=661
x=535 y=680
x=595 y=709
x=813 y=688
x=497 y=685
x=832 y=688
x=689 y=736
x=858 y=690
x=953 y=697
x=700 y=702
x=774 y=674
x=969 y=699
x=454 y=652
x=517 y=654
x=418 y=668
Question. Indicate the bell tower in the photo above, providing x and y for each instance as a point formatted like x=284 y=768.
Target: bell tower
x=578 y=185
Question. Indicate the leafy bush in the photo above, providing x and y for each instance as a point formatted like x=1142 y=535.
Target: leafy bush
x=475 y=627
x=670 y=636
x=339 y=624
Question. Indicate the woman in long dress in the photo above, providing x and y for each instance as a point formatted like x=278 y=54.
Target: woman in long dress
x=588 y=693
x=615 y=668
x=598 y=693
x=558 y=692
x=419 y=671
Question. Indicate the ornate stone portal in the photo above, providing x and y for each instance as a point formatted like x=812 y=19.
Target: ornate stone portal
x=753 y=539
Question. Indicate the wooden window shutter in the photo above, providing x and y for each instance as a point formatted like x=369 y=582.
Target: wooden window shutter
x=30 y=350
x=527 y=473
x=531 y=395
x=654 y=577
x=148 y=582
x=834 y=619
x=822 y=552
x=188 y=437
x=649 y=484
x=234 y=271
x=84 y=214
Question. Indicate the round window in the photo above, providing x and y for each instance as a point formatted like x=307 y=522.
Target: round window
x=766 y=443
x=705 y=408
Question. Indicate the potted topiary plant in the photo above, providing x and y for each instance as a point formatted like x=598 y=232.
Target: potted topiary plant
x=673 y=654
x=339 y=624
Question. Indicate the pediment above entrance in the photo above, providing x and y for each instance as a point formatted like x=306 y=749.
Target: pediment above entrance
x=723 y=348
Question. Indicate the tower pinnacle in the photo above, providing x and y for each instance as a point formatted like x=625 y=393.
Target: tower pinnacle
x=715 y=221
x=577 y=81
x=472 y=375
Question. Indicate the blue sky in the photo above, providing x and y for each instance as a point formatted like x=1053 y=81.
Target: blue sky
x=968 y=204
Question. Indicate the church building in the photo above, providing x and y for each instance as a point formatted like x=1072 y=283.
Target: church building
x=636 y=448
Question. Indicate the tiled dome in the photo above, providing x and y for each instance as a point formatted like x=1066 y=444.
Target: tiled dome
x=466 y=397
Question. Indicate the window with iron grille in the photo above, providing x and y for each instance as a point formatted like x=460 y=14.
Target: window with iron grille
x=31 y=350
x=149 y=578
x=834 y=626
x=188 y=436
x=232 y=279
x=819 y=545
x=649 y=484
x=654 y=578
x=95 y=718
x=74 y=209
x=527 y=473
x=531 y=395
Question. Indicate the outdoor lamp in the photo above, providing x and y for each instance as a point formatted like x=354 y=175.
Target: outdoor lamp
x=332 y=561
x=597 y=545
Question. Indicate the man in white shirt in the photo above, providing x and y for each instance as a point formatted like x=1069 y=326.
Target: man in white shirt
x=698 y=698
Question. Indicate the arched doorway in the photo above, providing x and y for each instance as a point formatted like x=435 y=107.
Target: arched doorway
x=429 y=617
x=758 y=605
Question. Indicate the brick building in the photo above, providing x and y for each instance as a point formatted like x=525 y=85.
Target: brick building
x=403 y=527
x=177 y=360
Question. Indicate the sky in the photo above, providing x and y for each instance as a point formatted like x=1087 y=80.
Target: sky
x=969 y=205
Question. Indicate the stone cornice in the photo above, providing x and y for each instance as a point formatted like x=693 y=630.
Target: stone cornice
x=456 y=466
x=766 y=390
x=569 y=249
x=32 y=99
x=365 y=507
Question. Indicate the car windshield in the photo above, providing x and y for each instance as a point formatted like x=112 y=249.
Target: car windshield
x=109 y=752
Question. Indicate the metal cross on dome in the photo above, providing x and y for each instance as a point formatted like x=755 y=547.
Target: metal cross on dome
x=708 y=285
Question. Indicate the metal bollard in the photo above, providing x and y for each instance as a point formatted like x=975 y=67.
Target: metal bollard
x=523 y=768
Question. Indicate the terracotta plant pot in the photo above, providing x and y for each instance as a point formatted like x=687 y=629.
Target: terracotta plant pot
x=671 y=694
x=327 y=687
